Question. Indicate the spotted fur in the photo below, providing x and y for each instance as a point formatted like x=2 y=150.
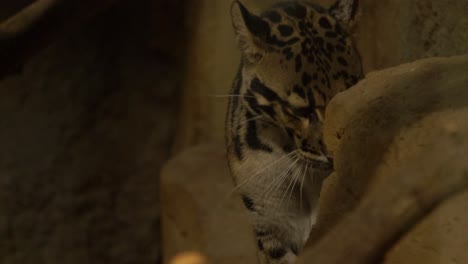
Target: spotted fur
x=296 y=57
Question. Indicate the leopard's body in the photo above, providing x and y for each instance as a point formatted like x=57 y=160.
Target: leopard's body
x=295 y=58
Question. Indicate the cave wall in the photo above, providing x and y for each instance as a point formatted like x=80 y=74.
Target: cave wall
x=84 y=130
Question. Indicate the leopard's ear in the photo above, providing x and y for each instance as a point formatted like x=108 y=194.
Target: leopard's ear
x=344 y=11
x=251 y=32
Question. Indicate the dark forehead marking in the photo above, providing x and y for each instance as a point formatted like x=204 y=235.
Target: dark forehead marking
x=336 y=76
x=306 y=79
x=340 y=48
x=285 y=30
x=299 y=91
x=273 y=40
x=345 y=74
x=339 y=29
x=288 y=53
x=342 y=61
x=342 y=41
x=325 y=23
x=295 y=10
x=331 y=34
x=319 y=42
x=258 y=87
x=273 y=16
x=298 y=63
x=311 y=58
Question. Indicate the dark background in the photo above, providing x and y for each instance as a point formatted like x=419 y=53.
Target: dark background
x=84 y=129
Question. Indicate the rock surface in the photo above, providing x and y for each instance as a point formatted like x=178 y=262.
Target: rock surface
x=199 y=211
x=440 y=238
x=391 y=32
x=400 y=138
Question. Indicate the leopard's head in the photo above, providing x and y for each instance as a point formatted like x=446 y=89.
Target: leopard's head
x=295 y=57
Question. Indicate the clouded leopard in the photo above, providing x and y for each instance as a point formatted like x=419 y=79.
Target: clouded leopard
x=296 y=56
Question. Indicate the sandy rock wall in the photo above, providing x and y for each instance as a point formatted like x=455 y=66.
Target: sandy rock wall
x=390 y=32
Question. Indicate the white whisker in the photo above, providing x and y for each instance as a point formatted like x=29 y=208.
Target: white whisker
x=296 y=177
x=291 y=184
x=276 y=179
x=260 y=171
x=302 y=182
x=236 y=126
x=284 y=177
x=279 y=179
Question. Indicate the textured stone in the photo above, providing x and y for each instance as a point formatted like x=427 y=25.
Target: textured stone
x=391 y=32
x=440 y=238
x=199 y=211
x=394 y=98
